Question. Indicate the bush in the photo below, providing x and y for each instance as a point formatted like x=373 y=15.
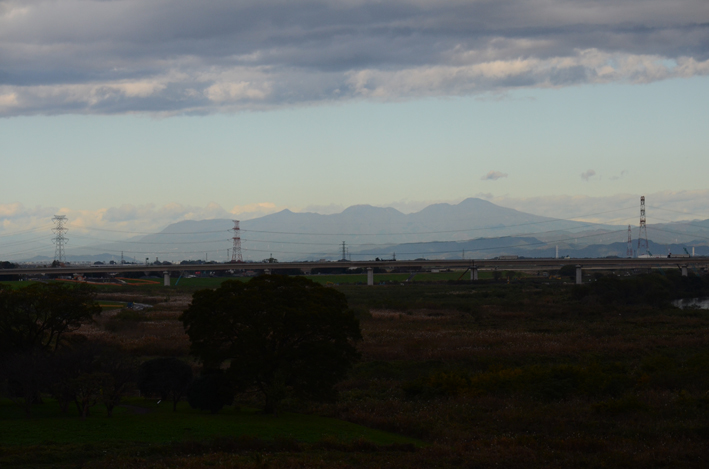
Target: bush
x=652 y=290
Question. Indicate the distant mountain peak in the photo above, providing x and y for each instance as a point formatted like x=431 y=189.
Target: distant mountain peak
x=475 y=201
x=368 y=209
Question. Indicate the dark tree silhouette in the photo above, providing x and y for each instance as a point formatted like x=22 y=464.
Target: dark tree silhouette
x=25 y=374
x=283 y=336
x=38 y=316
x=211 y=392
x=168 y=378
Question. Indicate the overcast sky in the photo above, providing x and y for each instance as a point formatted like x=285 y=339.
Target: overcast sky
x=135 y=113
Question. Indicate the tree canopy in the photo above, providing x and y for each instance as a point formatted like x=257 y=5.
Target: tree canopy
x=166 y=377
x=37 y=316
x=282 y=336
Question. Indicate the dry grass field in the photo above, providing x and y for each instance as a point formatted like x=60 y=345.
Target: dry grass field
x=487 y=375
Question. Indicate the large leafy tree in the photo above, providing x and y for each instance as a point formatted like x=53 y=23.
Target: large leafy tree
x=38 y=316
x=282 y=336
x=166 y=377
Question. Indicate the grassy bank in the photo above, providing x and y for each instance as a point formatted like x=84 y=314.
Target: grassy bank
x=144 y=421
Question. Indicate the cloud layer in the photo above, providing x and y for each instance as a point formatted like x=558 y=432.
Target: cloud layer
x=179 y=56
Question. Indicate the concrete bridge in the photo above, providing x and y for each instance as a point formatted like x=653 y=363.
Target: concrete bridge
x=473 y=265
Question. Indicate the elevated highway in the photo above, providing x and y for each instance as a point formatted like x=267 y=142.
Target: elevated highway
x=526 y=264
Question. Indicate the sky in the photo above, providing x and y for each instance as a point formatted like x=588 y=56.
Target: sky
x=130 y=115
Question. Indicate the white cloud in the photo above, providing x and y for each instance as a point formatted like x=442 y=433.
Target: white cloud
x=324 y=209
x=124 y=219
x=617 y=208
x=494 y=176
x=255 y=210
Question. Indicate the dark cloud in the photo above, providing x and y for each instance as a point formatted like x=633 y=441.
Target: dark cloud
x=494 y=176
x=181 y=56
x=588 y=174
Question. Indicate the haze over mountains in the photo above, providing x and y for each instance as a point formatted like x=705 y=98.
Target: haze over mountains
x=474 y=228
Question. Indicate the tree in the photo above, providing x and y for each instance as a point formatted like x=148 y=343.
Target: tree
x=122 y=371
x=64 y=368
x=88 y=373
x=25 y=375
x=211 y=392
x=168 y=378
x=87 y=388
x=568 y=270
x=38 y=316
x=283 y=336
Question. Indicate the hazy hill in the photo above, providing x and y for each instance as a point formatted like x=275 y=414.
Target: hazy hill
x=375 y=232
x=487 y=248
x=290 y=235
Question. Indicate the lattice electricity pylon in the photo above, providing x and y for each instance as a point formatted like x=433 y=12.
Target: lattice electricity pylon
x=59 y=239
x=629 y=251
x=236 y=247
x=643 y=245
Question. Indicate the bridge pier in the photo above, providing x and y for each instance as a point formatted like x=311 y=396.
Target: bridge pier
x=474 y=273
x=370 y=276
x=684 y=271
x=579 y=275
x=166 y=278
x=307 y=271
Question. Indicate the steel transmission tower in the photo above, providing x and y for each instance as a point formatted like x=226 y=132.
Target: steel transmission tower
x=629 y=252
x=236 y=247
x=642 y=235
x=59 y=239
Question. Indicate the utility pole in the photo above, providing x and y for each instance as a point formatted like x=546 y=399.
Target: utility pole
x=59 y=239
x=643 y=245
x=236 y=246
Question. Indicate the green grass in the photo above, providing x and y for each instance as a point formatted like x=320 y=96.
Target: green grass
x=16 y=284
x=162 y=425
x=204 y=282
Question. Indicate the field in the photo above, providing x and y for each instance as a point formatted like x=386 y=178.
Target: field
x=491 y=374
x=144 y=421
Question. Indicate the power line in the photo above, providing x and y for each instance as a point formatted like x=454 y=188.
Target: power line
x=31 y=230
x=148 y=242
x=153 y=233
x=680 y=233
x=443 y=231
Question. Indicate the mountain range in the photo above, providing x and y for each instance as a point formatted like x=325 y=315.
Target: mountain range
x=478 y=227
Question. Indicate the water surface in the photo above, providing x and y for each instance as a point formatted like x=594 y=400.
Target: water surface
x=701 y=303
